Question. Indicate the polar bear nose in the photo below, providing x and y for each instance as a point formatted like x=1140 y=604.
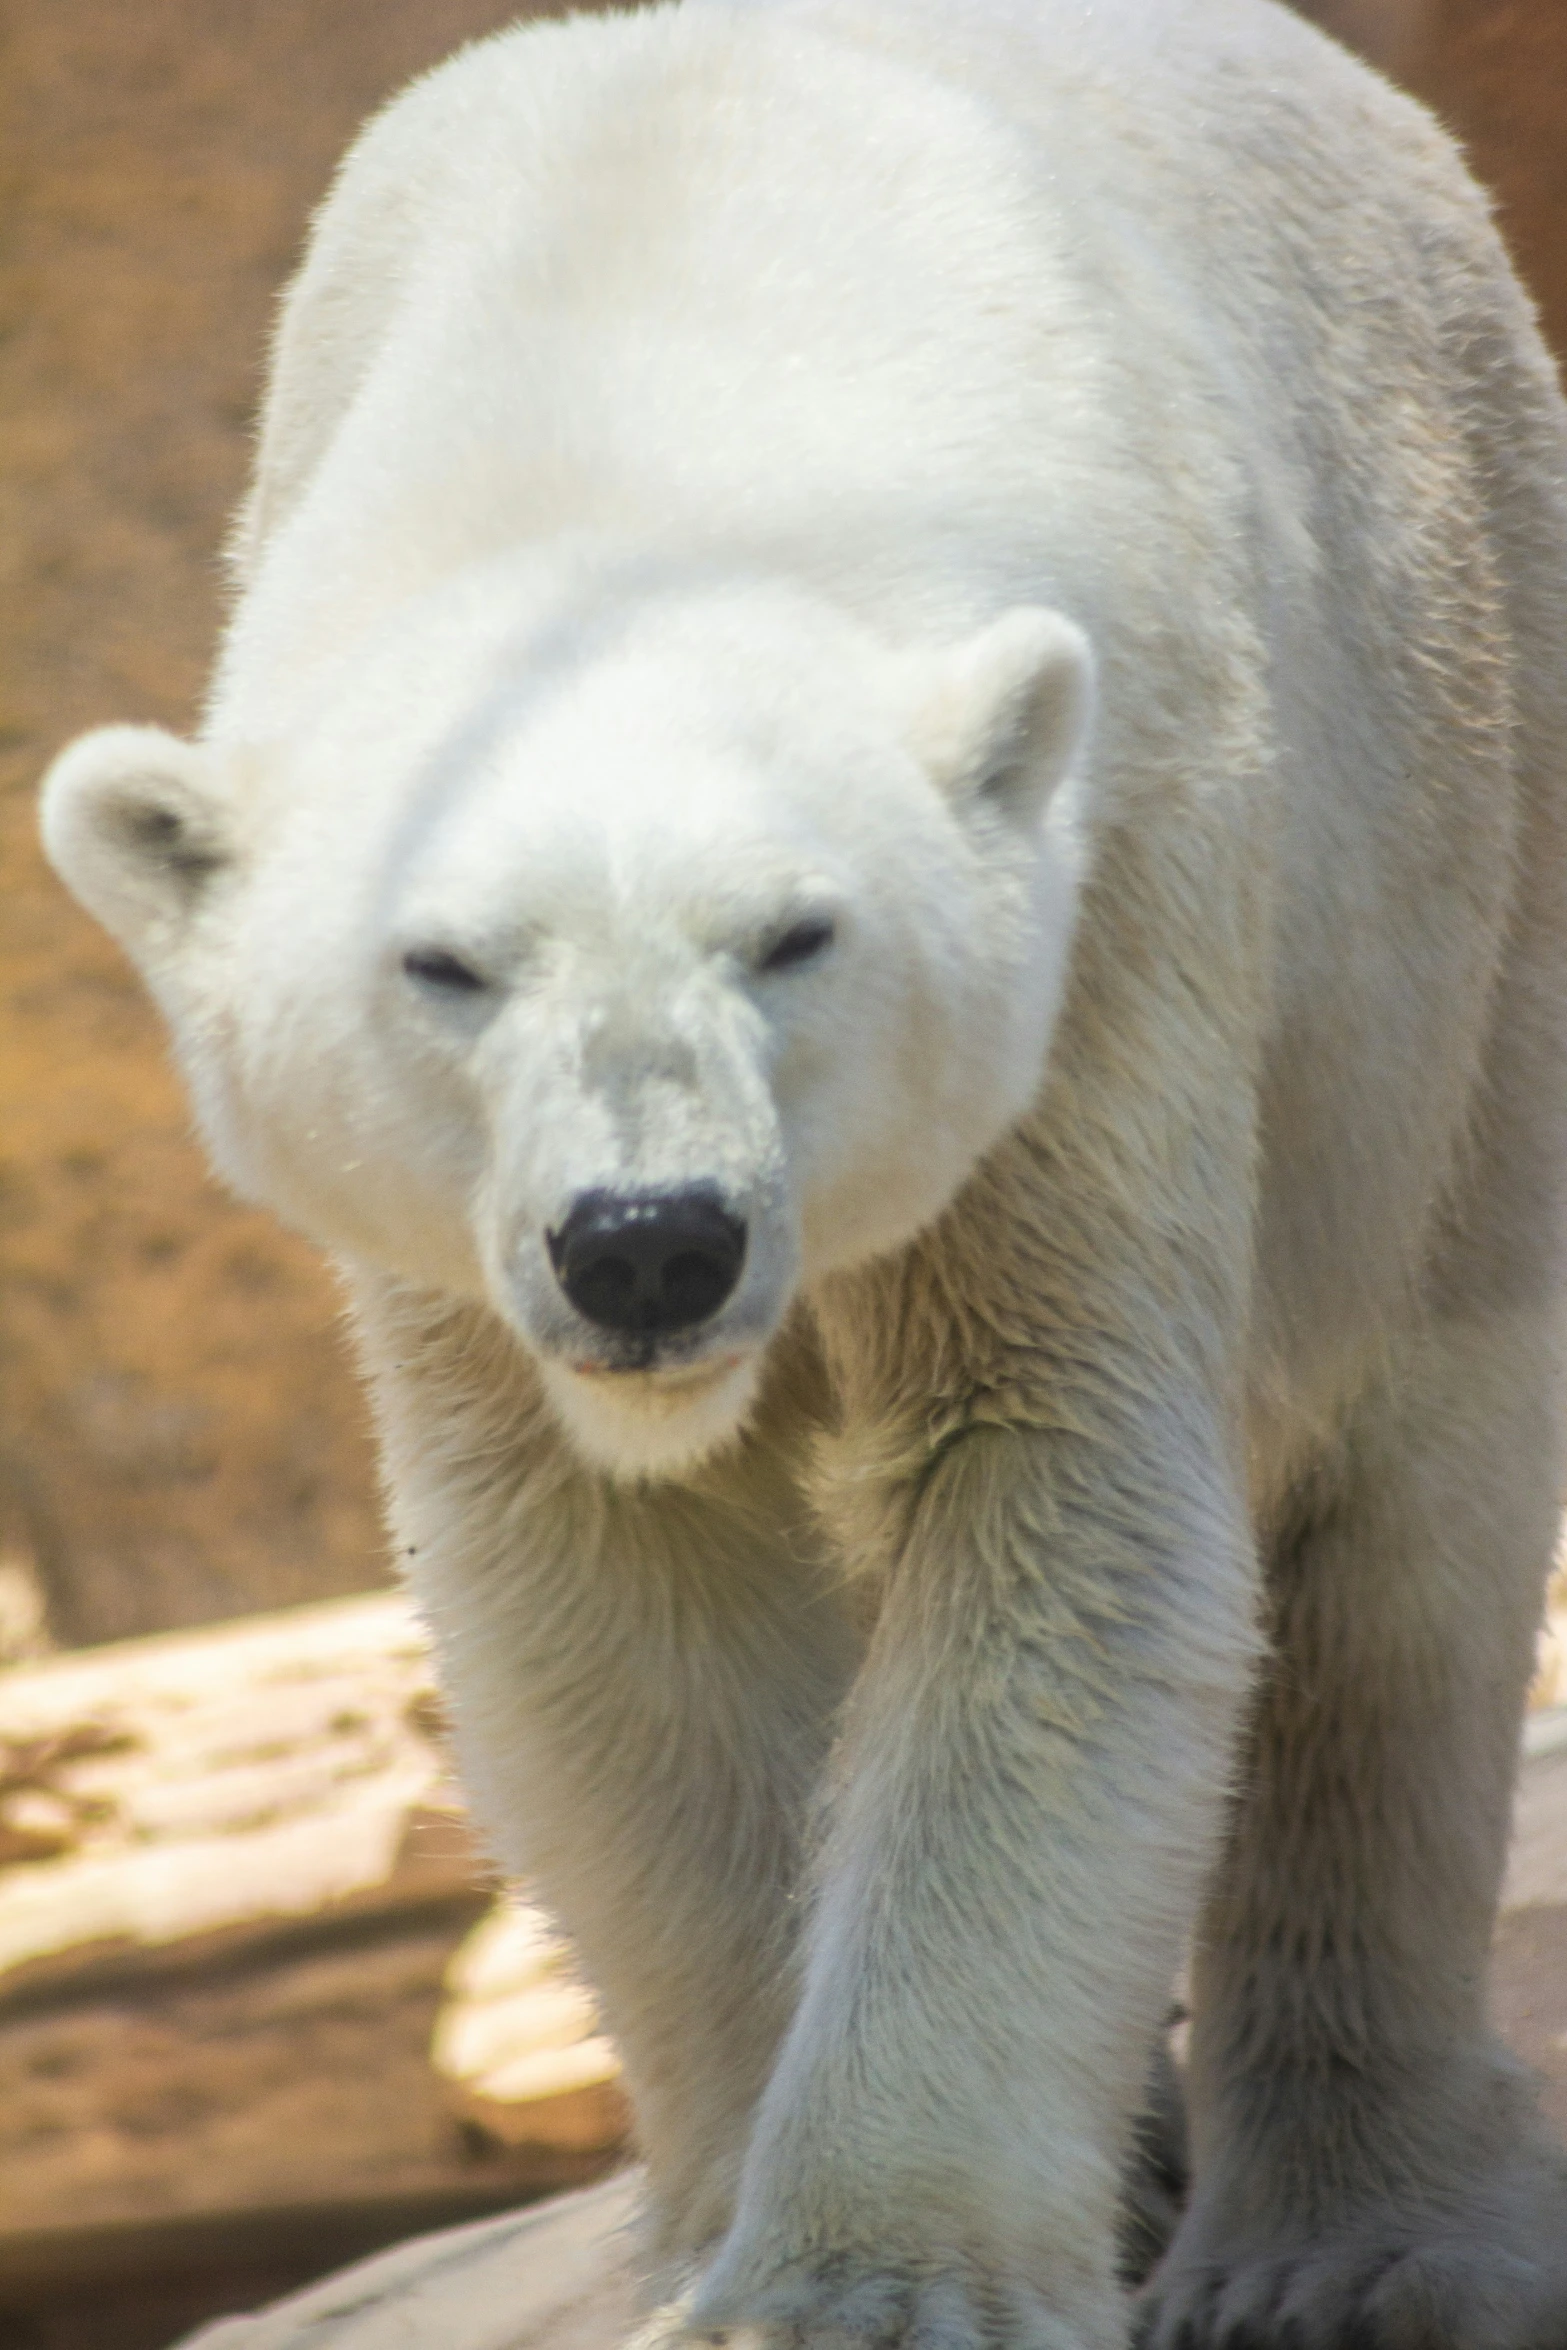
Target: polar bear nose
x=651 y=1261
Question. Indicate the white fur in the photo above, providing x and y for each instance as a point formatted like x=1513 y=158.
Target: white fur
x=1070 y=497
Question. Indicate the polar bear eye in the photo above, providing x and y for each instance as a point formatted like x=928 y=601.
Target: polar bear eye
x=802 y=942
x=438 y=967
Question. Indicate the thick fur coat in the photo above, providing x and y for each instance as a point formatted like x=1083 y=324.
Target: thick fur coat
x=935 y=641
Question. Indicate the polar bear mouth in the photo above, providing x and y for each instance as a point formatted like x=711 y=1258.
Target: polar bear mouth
x=643 y=1363
x=656 y=1423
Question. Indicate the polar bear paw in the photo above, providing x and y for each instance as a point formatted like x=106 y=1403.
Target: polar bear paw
x=839 y=2304
x=1487 y=2273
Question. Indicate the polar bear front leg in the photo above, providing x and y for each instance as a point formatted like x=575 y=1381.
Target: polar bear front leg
x=1025 y=1799
x=1369 y=2166
x=643 y=1681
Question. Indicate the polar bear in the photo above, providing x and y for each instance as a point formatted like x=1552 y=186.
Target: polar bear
x=880 y=844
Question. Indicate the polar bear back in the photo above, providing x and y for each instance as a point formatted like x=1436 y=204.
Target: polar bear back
x=946 y=322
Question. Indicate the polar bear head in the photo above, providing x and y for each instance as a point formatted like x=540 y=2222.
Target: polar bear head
x=627 y=960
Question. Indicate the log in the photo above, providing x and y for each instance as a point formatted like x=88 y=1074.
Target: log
x=295 y=2082
x=169 y=1799
x=517 y=2046
x=1550 y=1684
x=235 y=1873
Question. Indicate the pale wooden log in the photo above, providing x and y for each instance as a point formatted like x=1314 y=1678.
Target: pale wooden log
x=176 y=1794
x=517 y=2046
x=230 y=2096
x=272 y=1795
x=568 y=2100
x=1550 y=1686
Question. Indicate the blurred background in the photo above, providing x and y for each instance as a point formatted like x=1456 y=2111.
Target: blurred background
x=181 y=1439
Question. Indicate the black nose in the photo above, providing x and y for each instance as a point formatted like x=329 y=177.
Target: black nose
x=652 y=1261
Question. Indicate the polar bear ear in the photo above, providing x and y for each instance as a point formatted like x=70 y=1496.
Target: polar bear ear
x=1003 y=716
x=132 y=825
